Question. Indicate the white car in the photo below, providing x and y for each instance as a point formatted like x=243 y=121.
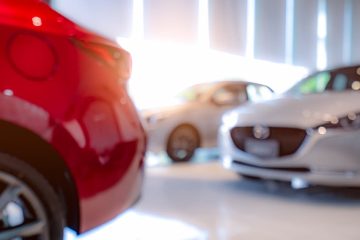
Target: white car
x=309 y=135
x=194 y=121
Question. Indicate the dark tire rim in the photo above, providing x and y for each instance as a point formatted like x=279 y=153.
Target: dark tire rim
x=22 y=215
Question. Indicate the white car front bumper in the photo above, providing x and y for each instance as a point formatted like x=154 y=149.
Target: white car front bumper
x=331 y=159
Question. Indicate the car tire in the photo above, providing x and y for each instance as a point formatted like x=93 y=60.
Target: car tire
x=29 y=207
x=182 y=143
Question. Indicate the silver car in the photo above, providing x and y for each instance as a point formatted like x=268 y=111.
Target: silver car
x=194 y=121
x=309 y=135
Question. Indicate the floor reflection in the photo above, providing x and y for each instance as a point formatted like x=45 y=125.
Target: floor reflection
x=201 y=200
x=134 y=225
x=202 y=155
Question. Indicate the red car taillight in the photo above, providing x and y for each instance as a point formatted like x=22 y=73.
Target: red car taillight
x=116 y=58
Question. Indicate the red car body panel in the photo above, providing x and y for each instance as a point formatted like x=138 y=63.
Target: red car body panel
x=60 y=82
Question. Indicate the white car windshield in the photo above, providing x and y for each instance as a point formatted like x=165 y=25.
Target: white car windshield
x=333 y=80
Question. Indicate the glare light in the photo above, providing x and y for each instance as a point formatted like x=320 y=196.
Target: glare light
x=250 y=28
x=289 y=33
x=138 y=20
x=203 y=25
x=230 y=119
x=226 y=161
x=321 y=35
x=299 y=183
x=321 y=31
x=348 y=31
x=152 y=226
x=358 y=71
x=36 y=21
x=356 y=84
x=322 y=130
x=8 y=92
x=331 y=119
x=194 y=64
x=334 y=120
x=352 y=116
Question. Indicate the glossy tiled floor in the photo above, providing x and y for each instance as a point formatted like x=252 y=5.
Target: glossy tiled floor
x=204 y=201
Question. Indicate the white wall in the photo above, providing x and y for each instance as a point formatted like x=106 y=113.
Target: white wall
x=111 y=18
x=162 y=68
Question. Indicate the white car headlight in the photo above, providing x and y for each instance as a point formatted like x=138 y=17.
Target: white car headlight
x=351 y=121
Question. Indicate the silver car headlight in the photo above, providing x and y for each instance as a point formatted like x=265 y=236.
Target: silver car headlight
x=350 y=121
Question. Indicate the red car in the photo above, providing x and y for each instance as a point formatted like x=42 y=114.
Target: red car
x=71 y=142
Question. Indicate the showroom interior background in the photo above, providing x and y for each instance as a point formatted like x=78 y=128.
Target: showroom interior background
x=310 y=35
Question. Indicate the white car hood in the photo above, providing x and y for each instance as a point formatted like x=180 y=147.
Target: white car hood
x=301 y=111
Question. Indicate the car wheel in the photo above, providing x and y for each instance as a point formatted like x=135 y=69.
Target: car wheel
x=182 y=143
x=29 y=207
